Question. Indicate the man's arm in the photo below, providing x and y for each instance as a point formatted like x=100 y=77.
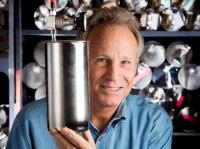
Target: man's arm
x=161 y=132
x=18 y=136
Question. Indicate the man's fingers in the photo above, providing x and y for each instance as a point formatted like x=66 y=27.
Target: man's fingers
x=60 y=140
x=75 y=138
x=71 y=135
x=88 y=136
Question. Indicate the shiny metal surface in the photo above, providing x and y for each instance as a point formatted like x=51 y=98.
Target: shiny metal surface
x=65 y=22
x=39 y=53
x=3 y=139
x=189 y=21
x=188 y=119
x=3 y=3
x=69 y=13
x=165 y=4
x=189 y=76
x=40 y=92
x=177 y=91
x=155 y=4
x=143 y=76
x=33 y=75
x=188 y=5
x=160 y=5
x=178 y=53
x=59 y=6
x=165 y=76
x=173 y=19
x=136 y=6
x=40 y=16
x=3 y=117
x=154 y=94
x=77 y=4
x=154 y=54
x=67 y=84
x=150 y=20
x=197 y=22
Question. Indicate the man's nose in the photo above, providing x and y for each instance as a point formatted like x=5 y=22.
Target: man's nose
x=113 y=71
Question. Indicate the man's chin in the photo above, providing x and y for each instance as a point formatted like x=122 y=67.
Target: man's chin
x=111 y=102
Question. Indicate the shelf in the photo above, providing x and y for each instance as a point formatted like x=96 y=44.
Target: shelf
x=144 y=33
x=171 y=34
x=183 y=134
x=28 y=32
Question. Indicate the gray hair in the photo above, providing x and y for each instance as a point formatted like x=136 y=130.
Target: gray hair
x=116 y=16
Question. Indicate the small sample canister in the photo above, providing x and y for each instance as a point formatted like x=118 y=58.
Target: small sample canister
x=67 y=84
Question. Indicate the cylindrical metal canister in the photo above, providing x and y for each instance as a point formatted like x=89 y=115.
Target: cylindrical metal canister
x=67 y=84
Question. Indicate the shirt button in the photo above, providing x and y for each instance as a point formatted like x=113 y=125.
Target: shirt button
x=99 y=139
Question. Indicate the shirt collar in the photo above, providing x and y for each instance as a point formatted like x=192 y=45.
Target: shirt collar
x=120 y=115
x=121 y=111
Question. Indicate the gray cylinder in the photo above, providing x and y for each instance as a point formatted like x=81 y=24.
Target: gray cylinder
x=67 y=84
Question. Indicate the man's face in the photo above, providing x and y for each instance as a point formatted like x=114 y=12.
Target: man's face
x=112 y=64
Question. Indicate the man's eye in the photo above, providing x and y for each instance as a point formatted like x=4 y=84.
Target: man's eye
x=101 y=60
x=126 y=62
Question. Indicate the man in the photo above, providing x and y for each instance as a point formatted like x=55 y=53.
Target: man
x=117 y=120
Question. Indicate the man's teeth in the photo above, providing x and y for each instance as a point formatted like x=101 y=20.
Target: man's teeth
x=111 y=88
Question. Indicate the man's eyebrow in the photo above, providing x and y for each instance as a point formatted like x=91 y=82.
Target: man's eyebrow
x=101 y=55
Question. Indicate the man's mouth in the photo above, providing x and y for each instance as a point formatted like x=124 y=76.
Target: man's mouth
x=110 y=89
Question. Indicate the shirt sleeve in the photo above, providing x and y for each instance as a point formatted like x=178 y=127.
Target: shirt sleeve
x=161 y=131
x=19 y=136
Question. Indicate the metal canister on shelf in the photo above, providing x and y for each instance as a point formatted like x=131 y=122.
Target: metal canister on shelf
x=197 y=23
x=150 y=20
x=33 y=75
x=143 y=76
x=58 y=6
x=3 y=3
x=188 y=76
x=39 y=53
x=178 y=53
x=67 y=84
x=78 y=4
x=154 y=94
x=187 y=5
x=189 y=21
x=153 y=54
x=188 y=119
x=165 y=76
x=173 y=19
x=3 y=139
x=155 y=4
x=160 y=5
x=40 y=15
x=40 y=92
x=3 y=117
x=136 y=6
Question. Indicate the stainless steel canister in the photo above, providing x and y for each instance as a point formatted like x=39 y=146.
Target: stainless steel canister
x=67 y=84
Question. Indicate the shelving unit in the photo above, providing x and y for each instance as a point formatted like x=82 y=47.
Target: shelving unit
x=29 y=32
x=21 y=35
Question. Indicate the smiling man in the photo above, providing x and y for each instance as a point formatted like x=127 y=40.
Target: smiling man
x=112 y=70
x=118 y=120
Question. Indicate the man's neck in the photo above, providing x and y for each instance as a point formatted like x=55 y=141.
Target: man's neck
x=101 y=117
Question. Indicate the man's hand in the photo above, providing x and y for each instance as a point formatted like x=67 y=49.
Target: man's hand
x=69 y=139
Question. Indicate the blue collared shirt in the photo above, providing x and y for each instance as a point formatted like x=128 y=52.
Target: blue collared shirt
x=138 y=124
